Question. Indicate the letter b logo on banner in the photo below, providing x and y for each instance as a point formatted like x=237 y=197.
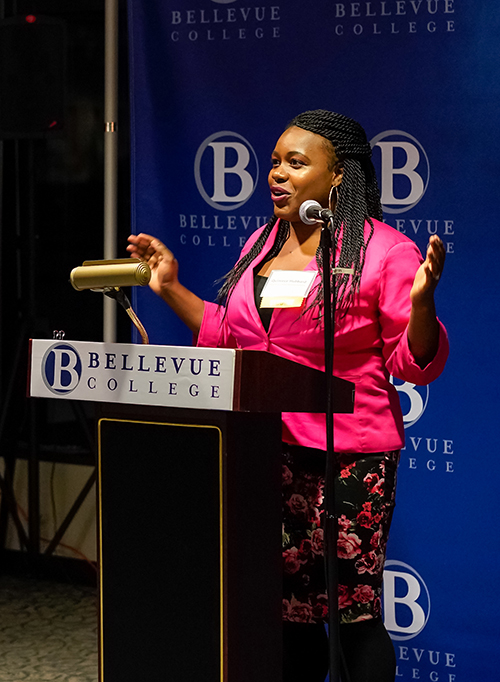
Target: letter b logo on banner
x=404 y=170
x=413 y=400
x=227 y=177
x=407 y=603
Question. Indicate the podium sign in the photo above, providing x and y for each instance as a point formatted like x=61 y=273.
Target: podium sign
x=169 y=376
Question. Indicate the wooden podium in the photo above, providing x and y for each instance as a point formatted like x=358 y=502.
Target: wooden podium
x=190 y=522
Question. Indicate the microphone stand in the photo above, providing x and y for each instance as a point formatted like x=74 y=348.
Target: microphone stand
x=331 y=522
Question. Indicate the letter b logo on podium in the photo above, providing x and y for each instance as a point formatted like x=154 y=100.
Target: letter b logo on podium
x=407 y=602
x=61 y=368
x=226 y=170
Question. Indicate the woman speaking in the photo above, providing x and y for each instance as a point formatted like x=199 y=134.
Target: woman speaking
x=385 y=324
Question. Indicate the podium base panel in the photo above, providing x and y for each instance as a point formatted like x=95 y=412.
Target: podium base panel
x=190 y=530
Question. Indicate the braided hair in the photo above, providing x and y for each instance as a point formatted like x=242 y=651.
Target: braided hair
x=232 y=278
x=358 y=201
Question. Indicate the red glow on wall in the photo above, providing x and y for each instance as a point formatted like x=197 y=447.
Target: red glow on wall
x=31 y=18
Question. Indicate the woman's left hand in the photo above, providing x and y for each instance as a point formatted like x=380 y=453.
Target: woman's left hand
x=429 y=273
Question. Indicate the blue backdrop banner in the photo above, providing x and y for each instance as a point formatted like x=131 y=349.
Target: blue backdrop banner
x=214 y=83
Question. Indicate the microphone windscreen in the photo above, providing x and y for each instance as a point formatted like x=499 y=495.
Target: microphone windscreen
x=307 y=211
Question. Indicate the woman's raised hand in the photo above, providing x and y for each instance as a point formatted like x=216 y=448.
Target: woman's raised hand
x=164 y=266
x=429 y=273
x=164 y=279
x=423 y=328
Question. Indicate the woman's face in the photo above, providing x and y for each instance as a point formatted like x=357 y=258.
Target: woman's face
x=301 y=170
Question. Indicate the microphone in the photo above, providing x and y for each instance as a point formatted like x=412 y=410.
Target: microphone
x=311 y=212
x=109 y=274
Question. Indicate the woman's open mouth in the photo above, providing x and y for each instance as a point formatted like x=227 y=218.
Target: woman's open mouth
x=278 y=193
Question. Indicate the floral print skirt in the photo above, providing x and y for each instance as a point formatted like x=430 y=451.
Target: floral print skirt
x=365 y=496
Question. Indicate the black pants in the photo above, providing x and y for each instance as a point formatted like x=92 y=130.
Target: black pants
x=366 y=649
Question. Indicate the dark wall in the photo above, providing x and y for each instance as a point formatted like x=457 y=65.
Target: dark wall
x=52 y=196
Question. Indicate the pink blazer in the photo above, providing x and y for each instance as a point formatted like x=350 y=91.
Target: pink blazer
x=370 y=344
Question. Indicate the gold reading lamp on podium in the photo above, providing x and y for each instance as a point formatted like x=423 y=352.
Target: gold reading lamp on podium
x=108 y=276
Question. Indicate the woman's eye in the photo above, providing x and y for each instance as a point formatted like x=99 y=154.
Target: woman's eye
x=274 y=163
x=296 y=163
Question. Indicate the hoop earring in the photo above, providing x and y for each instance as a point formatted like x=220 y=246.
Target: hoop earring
x=330 y=197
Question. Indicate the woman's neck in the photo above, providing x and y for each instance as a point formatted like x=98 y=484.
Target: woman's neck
x=303 y=237
x=297 y=252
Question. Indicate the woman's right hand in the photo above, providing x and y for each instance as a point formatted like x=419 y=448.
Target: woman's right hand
x=163 y=264
x=164 y=279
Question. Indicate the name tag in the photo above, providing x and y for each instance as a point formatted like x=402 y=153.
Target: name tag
x=287 y=288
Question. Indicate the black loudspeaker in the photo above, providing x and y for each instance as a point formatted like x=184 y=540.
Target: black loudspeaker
x=32 y=76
